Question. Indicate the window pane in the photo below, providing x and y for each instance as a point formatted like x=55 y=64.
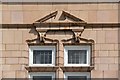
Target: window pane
x=77 y=78
x=42 y=77
x=77 y=56
x=42 y=56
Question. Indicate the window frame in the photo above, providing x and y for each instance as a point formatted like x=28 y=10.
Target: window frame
x=31 y=74
x=77 y=47
x=66 y=74
x=31 y=48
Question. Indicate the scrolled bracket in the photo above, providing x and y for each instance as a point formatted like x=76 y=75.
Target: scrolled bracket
x=40 y=36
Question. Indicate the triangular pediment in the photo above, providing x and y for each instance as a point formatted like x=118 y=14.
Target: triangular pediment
x=59 y=16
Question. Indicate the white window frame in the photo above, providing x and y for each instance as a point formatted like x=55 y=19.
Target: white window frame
x=31 y=48
x=80 y=47
x=66 y=74
x=31 y=74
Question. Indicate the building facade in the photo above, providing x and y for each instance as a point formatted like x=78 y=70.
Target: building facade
x=69 y=40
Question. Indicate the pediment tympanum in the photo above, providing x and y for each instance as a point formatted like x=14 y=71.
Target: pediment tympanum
x=59 y=16
x=58 y=20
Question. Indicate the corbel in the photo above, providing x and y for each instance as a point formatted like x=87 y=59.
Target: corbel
x=76 y=35
x=40 y=35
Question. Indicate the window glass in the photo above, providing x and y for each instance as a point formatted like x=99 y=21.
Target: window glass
x=77 y=56
x=42 y=56
x=42 y=77
x=77 y=78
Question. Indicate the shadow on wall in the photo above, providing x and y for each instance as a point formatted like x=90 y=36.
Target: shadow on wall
x=119 y=38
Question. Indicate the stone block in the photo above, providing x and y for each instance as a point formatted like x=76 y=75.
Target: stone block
x=12 y=47
x=103 y=67
x=117 y=46
x=93 y=35
x=111 y=36
x=8 y=36
x=111 y=74
x=57 y=7
x=21 y=74
x=5 y=7
x=96 y=74
x=28 y=19
x=75 y=13
x=15 y=7
x=115 y=6
x=92 y=16
x=61 y=60
x=96 y=54
x=11 y=54
x=116 y=60
x=113 y=53
x=30 y=7
x=26 y=35
x=100 y=36
x=84 y=15
x=101 y=14
x=25 y=54
x=45 y=7
x=107 y=60
x=97 y=60
x=6 y=17
x=113 y=66
x=3 y=60
x=16 y=17
x=103 y=53
x=18 y=36
x=8 y=74
x=114 y=16
x=6 y=68
x=98 y=46
x=96 y=66
x=107 y=46
x=105 y=6
x=23 y=60
x=93 y=7
x=74 y=7
x=24 y=47
x=12 y=61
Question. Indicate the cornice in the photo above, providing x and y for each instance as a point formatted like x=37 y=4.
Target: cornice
x=88 y=25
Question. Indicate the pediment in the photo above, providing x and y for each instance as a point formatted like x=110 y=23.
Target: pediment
x=59 y=16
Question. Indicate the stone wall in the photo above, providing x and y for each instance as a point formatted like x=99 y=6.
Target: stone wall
x=28 y=13
x=15 y=49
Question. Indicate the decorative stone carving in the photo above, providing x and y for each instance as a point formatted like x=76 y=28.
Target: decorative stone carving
x=44 y=24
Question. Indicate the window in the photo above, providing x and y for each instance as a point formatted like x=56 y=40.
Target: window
x=76 y=75
x=42 y=75
x=77 y=55
x=42 y=56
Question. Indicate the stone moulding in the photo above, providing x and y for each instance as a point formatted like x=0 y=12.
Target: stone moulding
x=41 y=69
x=54 y=68
x=60 y=21
x=87 y=25
x=77 y=69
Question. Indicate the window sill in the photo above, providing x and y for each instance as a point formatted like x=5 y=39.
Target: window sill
x=41 y=68
x=77 y=69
